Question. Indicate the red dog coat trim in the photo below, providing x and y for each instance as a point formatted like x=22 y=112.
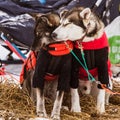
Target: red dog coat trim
x=95 y=44
x=94 y=72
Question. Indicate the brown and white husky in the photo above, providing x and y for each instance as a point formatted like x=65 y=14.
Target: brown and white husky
x=86 y=30
x=53 y=62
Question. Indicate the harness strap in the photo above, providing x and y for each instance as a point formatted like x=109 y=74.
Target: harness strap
x=60 y=49
x=109 y=90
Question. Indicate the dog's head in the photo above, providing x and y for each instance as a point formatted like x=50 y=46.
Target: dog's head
x=45 y=25
x=77 y=23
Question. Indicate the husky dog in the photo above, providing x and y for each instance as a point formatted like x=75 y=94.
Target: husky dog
x=53 y=62
x=86 y=30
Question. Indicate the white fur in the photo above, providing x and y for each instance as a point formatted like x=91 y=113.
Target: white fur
x=69 y=32
x=57 y=106
x=40 y=107
x=75 y=102
x=100 y=95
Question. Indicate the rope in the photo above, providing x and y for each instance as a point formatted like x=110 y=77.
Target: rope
x=3 y=73
x=109 y=90
x=90 y=77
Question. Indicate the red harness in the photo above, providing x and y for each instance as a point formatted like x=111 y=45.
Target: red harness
x=61 y=48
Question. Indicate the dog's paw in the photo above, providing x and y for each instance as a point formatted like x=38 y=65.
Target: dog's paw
x=76 y=109
x=100 y=110
x=55 y=117
x=41 y=114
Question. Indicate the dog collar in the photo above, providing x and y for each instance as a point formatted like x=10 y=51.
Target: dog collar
x=58 y=49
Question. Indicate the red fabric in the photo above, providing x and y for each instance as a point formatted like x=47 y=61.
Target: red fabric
x=95 y=44
x=29 y=63
x=83 y=74
x=50 y=77
x=2 y=71
x=61 y=48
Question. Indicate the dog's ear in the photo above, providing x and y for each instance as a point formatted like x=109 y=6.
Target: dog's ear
x=38 y=16
x=63 y=13
x=85 y=15
x=46 y=20
x=54 y=19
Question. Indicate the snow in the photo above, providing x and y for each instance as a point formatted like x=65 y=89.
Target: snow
x=12 y=70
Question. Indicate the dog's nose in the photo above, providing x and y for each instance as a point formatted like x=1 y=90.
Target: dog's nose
x=85 y=88
x=54 y=35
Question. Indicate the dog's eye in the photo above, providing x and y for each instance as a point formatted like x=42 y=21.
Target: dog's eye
x=47 y=33
x=37 y=33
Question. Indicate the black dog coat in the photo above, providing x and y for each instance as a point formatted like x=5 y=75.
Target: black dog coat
x=96 y=56
x=53 y=64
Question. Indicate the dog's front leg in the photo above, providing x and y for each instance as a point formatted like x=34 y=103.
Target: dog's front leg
x=57 y=106
x=101 y=101
x=40 y=107
x=75 y=103
x=107 y=94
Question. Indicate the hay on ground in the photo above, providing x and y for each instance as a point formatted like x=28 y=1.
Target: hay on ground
x=15 y=104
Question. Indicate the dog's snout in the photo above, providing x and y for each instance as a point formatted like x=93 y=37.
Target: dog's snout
x=54 y=35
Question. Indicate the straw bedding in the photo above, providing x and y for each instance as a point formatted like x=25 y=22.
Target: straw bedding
x=15 y=104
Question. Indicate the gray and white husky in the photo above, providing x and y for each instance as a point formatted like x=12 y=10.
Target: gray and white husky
x=81 y=25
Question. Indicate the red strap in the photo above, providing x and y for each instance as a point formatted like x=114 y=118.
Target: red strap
x=50 y=77
x=61 y=48
x=83 y=74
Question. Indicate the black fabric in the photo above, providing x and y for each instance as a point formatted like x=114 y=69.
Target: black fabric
x=114 y=8
x=50 y=5
x=60 y=65
x=14 y=19
x=94 y=58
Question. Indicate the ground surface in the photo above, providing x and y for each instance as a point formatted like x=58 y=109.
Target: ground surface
x=15 y=104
